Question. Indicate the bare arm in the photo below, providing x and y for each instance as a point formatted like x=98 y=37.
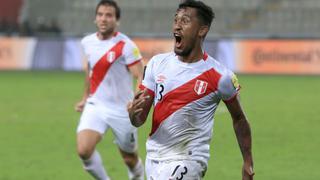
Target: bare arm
x=243 y=132
x=80 y=105
x=137 y=71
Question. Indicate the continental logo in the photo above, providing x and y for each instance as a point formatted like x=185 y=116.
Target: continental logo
x=261 y=56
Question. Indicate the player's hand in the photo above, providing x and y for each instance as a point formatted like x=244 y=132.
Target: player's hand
x=247 y=171
x=80 y=105
x=135 y=108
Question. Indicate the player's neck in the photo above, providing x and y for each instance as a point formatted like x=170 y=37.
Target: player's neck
x=105 y=36
x=194 y=56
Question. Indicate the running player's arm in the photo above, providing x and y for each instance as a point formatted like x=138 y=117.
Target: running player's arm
x=229 y=91
x=243 y=132
x=137 y=72
x=80 y=105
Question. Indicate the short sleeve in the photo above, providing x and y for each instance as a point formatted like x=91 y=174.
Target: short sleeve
x=131 y=53
x=83 y=46
x=228 y=86
x=85 y=53
x=148 y=81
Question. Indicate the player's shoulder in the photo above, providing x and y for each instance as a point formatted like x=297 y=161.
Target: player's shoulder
x=227 y=80
x=157 y=60
x=89 y=37
x=162 y=57
x=123 y=37
x=217 y=66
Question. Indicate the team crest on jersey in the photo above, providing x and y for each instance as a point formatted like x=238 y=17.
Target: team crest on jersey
x=200 y=87
x=111 y=56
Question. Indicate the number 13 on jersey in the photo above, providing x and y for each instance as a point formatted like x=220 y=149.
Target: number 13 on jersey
x=159 y=91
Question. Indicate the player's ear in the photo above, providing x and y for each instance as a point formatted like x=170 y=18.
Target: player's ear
x=95 y=21
x=203 y=31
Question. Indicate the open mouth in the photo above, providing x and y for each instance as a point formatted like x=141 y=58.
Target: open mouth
x=178 y=39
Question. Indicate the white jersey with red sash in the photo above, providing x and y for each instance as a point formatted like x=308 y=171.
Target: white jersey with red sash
x=110 y=79
x=186 y=98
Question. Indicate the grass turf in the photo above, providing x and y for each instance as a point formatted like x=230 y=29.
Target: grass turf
x=37 y=129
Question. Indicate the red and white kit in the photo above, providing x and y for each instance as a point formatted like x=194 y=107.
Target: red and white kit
x=110 y=85
x=186 y=98
x=110 y=79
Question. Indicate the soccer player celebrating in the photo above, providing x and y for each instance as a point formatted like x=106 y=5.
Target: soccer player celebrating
x=185 y=87
x=112 y=61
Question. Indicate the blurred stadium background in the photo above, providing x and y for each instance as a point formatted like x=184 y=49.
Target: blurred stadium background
x=273 y=45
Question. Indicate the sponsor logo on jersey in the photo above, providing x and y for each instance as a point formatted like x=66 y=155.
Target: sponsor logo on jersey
x=200 y=87
x=111 y=56
x=161 y=78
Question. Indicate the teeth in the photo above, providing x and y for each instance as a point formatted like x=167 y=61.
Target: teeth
x=176 y=35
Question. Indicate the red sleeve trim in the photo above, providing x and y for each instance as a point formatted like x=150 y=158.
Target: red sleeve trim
x=135 y=62
x=230 y=100
x=149 y=91
x=141 y=87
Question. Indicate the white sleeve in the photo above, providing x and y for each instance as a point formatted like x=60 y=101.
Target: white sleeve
x=228 y=86
x=131 y=53
x=85 y=53
x=83 y=46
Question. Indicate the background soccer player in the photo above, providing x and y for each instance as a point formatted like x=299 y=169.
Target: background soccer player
x=185 y=88
x=112 y=60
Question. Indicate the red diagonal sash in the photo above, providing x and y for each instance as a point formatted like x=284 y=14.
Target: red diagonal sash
x=183 y=95
x=102 y=66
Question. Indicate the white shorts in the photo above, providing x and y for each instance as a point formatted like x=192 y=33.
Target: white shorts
x=98 y=118
x=172 y=170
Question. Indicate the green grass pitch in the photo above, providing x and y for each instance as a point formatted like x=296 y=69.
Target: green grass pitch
x=38 y=124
